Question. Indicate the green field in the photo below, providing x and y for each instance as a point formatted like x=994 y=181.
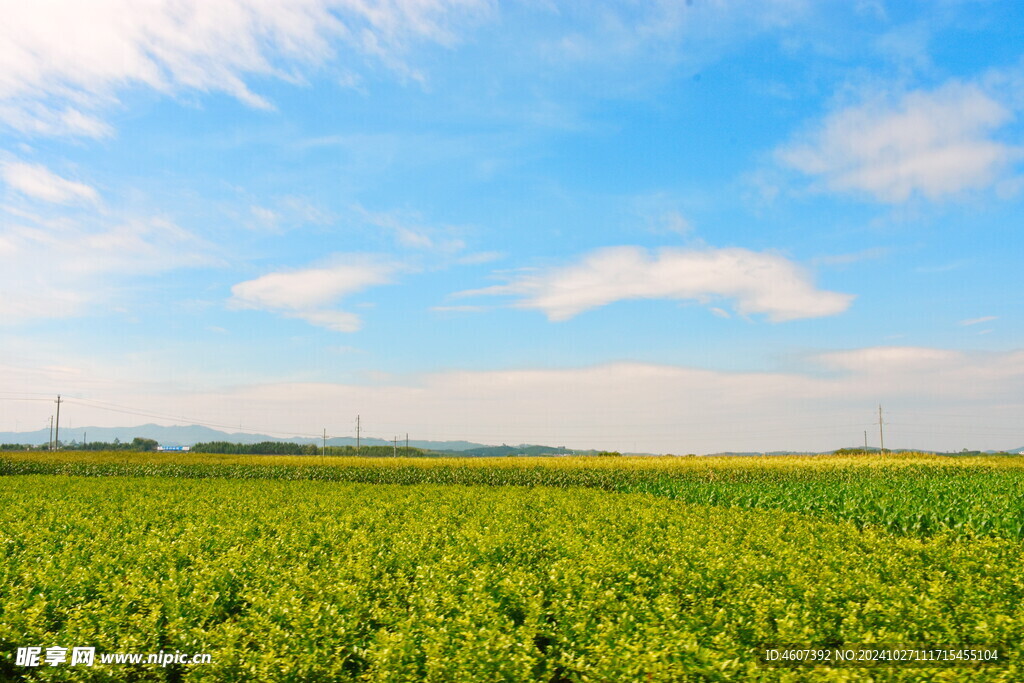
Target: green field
x=613 y=569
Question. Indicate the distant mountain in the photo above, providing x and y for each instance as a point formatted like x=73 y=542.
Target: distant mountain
x=193 y=434
x=522 y=449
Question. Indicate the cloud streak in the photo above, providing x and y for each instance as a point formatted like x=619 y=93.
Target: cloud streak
x=38 y=182
x=64 y=61
x=977 y=321
x=758 y=283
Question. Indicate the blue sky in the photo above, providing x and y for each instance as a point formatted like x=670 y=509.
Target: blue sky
x=662 y=226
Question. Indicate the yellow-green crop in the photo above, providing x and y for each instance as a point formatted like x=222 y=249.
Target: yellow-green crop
x=312 y=580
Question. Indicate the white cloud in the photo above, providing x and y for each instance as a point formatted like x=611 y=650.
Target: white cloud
x=63 y=60
x=67 y=266
x=309 y=288
x=936 y=144
x=976 y=321
x=758 y=282
x=39 y=182
x=927 y=372
x=307 y=293
x=888 y=359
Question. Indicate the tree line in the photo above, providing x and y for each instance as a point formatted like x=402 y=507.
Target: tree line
x=290 y=448
x=136 y=444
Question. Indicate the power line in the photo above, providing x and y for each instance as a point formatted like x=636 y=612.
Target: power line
x=56 y=438
x=578 y=431
x=881 y=434
x=111 y=407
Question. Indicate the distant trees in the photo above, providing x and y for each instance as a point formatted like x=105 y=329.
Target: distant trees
x=290 y=448
x=262 y=448
x=226 y=447
x=136 y=444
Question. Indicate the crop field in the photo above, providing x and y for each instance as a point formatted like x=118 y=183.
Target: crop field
x=515 y=569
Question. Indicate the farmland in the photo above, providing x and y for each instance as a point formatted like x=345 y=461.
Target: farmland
x=513 y=569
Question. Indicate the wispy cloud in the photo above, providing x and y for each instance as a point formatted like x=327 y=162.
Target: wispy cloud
x=63 y=266
x=978 y=321
x=480 y=257
x=611 y=34
x=277 y=215
x=851 y=257
x=309 y=294
x=758 y=283
x=410 y=232
x=933 y=143
x=38 y=182
x=64 y=62
x=337 y=321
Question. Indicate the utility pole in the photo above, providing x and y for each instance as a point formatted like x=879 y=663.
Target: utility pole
x=357 y=433
x=51 y=432
x=407 y=442
x=394 y=444
x=865 y=440
x=881 y=432
x=324 y=453
x=56 y=433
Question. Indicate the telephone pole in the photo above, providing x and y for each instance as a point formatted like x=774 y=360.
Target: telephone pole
x=324 y=452
x=407 y=442
x=394 y=445
x=865 y=440
x=357 y=433
x=881 y=432
x=56 y=433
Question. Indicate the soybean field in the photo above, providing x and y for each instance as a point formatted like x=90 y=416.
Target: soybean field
x=513 y=569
